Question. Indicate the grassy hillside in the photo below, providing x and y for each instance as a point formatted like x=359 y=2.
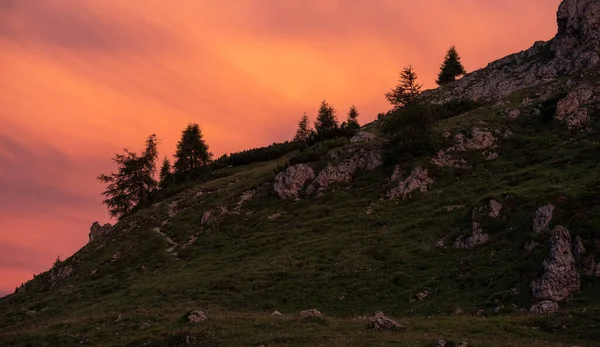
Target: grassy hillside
x=348 y=253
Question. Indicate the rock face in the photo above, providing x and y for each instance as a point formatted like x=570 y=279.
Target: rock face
x=570 y=109
x=380 y=322
x=289 y=182
x=418 y=179
x=544 y=307
x=560 y=278
x=344 y=171
x=542 y=218
x=96 y=230
x=363 y=136
x=575 y=48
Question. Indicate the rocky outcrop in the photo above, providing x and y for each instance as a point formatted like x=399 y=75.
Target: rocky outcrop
x=97 y=230
x=444 y=159
x=343 y=172
x=495 y=209
x=363 y=136
x=544 y=307
x=571 y=110
x=477 y=238
x=379 y=321
x=479 y=140
x=418 y=180
x=289 y=182
x=61 y=272
x=560 y=278
x=310 y=313
x=542 y=218
x=575 y=48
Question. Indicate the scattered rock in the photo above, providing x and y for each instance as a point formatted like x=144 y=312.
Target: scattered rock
x=544 y=307
x=495 y=208
x=344 y=171
x=116 y=256
x=477 y=238
x=61 y=273
x=379 y=321
x=97 y=231
x=443 y=159
x=310 y=313
x=453 y=207
x=289 y=182
x=213 y=215
x=560 y=278
x=569 y=110
x=276 y=313
x=197 y=316
x=479 y=140
x=440 y=343
x=244 y=199
x=274 y=216
x=418 y=179
x=513 y=114
x=542 y=218
x=421 y=295
x=145 y=325
x=457 y=311
x=363 y=136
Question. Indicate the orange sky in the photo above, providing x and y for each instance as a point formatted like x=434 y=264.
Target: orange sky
x=80 y=79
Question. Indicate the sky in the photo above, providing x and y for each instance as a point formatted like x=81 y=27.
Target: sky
x=82 y=79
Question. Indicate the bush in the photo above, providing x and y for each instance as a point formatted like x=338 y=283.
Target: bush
x=409 y=132
x=274 y=151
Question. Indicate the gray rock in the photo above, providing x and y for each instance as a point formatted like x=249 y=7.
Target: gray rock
x=344 y=171
x=96 y=230
x=379 y=321
x=570 y=109
x=542 y=218
x=310 y=313
x=418 y=180
x=544 y=307
x=289 y=182
x=61 y=272
x=495 y=208
x=197 y=316
x=477 y=238
x=560 y=278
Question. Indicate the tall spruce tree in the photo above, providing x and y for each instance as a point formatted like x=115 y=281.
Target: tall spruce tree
x=165 y=175
x=451 y=68
x=303 y=132
x=407 y=90
x=134 y=181
x=326 y=125
x=352 y=125
x=192 y=152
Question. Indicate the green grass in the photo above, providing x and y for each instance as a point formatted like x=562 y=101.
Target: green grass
x=326 y=252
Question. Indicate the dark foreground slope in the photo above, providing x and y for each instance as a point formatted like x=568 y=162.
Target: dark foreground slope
x=349 y=235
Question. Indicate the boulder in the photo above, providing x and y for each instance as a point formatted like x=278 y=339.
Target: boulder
x=276 y=313
x=544 y=307
x=418 y=179
x=197 y=316
x=379 y=321
x=570 y=109
x=289 y=182
x=96 y=230
x=542 y=218
x=345 y=170
x=495 y=208
x=310 y=313
x=560 y=278
x=478 y=140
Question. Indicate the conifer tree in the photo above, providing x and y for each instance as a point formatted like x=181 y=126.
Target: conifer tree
x=192 y=152
x=304 y=131
x=406 y=91
x=165 y=175
x=352 y=125
x=326 y=125
x=134 y=181
x=451 y=68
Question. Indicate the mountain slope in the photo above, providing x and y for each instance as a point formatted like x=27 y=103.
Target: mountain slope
x=468 y=233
